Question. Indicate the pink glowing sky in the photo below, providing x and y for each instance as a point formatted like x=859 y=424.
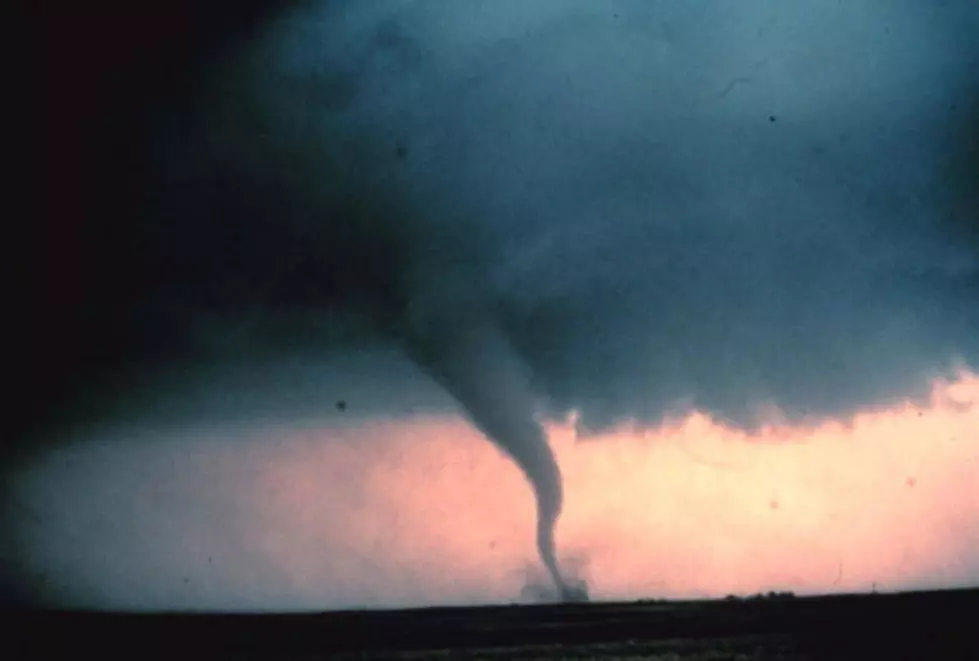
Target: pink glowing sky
x=422 y=510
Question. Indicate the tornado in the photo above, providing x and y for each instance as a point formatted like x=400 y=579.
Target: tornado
x=471 y=358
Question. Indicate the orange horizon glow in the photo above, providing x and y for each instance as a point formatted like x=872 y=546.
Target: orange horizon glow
x=425 y=511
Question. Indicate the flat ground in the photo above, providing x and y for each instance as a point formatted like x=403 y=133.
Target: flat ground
x=939 y=626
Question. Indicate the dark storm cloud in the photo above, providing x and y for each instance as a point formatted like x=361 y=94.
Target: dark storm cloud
x=661 y=204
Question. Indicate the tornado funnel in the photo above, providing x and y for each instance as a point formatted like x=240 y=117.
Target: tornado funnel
x=475 y=363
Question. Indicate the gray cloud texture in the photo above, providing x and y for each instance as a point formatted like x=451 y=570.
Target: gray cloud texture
x=661 y=204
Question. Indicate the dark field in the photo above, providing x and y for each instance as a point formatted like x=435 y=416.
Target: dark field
x=928 y=626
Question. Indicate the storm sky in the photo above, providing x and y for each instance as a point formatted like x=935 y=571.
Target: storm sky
x=526 y=220
x=662 y=204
